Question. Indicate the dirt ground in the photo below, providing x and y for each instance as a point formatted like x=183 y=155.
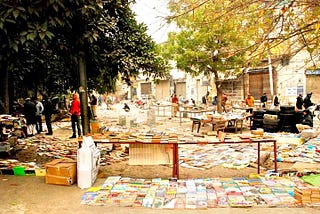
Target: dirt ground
x=30 y=194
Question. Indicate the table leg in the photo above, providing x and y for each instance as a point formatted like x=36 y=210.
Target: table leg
x=258 y=157
x=275 y=155
x=175 y=167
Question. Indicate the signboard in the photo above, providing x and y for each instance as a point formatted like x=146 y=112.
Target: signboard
x=300 y=89
x=291 y=91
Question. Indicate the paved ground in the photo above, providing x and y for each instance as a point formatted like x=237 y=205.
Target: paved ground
x=30 y=195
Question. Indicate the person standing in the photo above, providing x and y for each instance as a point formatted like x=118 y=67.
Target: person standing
x=205 y=98
x=99 y=100
x=175 y=105
x=75 y=111
x=299 y=102
x=224 y=99
x=39 y=110
x=276 y=102
x=214 y=103
x=307 y=101
x=93 y=106
x=263 y=100
x=47 y=111
x=249 y=101
x=29 y=110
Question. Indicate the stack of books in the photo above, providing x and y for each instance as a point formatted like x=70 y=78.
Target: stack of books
x=303 y=193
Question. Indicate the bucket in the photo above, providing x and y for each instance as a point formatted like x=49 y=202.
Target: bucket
x=19 y=171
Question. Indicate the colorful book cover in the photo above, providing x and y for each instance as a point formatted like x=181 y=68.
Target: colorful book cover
x=191 y=201
x=158 y=203
x=169 y=203
x=88 y=197
x=222 y=201
x=127 y=200
x=138 y=201
x=180 y=203
x=191 y=186
x=201 y=204
x=182 y=187
x=212 y=203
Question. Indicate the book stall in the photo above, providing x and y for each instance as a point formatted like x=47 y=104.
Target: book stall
x=66 y=162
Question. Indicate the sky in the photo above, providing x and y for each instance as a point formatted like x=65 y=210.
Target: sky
x=152 y=13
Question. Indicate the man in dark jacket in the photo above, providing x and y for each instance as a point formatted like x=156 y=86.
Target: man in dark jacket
x=307 y=101
x=299 y=102
x=263 y=100
x=307 y=118
x=47 y=111
x=307 y=121
x=29 y=110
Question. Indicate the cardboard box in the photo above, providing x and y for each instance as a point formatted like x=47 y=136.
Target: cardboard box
x=61 y=171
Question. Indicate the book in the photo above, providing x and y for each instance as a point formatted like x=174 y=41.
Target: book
x=158 y=202
x=88 y=197
x=180 y=203
x=191 y=201
x=147 y=201
x=169 y=203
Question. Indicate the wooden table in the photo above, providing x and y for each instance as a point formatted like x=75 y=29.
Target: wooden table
x=163 y=109
x=235 y=123
x=175 y=148
x=193 y=112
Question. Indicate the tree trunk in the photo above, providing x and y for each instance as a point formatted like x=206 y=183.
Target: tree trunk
x=217 y=82
x=219 y=97
x=83 y=94
x=5 y=91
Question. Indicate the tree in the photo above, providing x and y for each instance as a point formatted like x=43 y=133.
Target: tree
x=99 y=39
x=220 y=36
x=204 y=45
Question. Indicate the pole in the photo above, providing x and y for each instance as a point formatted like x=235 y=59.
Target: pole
x=270 y=75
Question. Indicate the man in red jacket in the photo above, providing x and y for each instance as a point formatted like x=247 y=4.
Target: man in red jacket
x=75 y=112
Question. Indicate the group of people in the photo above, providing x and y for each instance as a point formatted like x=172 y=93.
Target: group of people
x=33 y=109
x=249 y=101
x=303 y=104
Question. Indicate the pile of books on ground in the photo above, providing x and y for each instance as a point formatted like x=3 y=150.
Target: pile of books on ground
x=307 y=194
x=193 y=193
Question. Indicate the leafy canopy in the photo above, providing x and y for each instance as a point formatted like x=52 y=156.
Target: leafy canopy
x=44 y=38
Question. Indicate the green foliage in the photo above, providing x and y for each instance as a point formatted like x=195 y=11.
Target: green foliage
x=255 y=28
x=43 y=39
x=208 y=41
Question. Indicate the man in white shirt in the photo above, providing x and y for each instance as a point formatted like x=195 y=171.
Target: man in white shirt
x=40 y=108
